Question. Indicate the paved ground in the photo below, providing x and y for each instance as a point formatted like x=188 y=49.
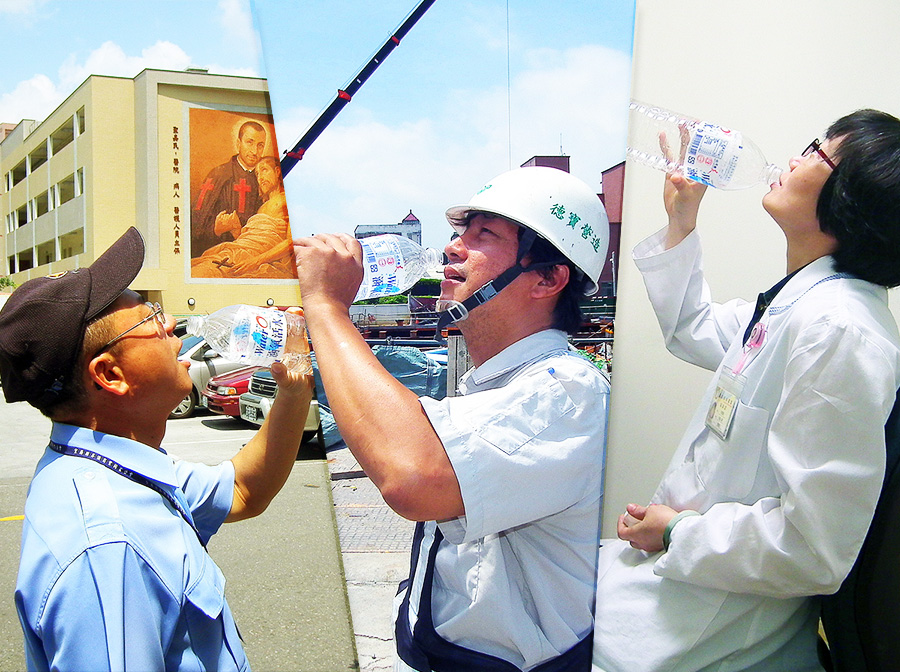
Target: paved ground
x=375 y=544
x=292 y=581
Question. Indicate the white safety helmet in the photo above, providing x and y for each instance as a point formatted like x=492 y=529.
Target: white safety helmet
x=557 y=206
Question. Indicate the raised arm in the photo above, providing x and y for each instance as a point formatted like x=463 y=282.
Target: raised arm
x=262 y=466
x=681 y=197
x=381 y=421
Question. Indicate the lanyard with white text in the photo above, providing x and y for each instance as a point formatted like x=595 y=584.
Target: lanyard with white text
x=131 y=476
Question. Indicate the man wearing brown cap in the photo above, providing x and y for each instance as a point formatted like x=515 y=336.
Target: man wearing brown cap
x=113 y=573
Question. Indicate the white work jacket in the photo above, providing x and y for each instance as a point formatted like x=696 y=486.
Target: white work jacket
x=514 y=577
x=786 y=497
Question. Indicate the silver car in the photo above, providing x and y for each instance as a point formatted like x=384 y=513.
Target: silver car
x=255 y=403
x=205 y=363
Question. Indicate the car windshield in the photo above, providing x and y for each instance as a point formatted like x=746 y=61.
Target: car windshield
x=189 y=342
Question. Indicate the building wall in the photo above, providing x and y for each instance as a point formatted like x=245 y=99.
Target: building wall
x=133 y=157
x=613 y=182
x=411 y=229
x=42 y=231
x=107 y=151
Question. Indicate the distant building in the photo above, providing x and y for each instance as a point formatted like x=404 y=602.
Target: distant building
x=410 y=228
x=141 y=152
x=559 y=162
x=613 y=184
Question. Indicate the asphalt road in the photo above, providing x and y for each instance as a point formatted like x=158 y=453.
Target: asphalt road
x=285 y=581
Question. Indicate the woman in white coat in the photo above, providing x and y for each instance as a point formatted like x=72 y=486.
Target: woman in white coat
x=771 y=490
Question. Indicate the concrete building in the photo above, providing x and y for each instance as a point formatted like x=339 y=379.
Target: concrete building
x=410 y=227
x=613 y=185
x=122 y=152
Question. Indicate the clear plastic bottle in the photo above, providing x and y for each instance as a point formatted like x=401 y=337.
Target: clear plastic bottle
x=392 y=264
x=702 y=151
x=255 y=335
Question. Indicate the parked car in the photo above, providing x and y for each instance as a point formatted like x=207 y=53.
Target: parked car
x=255 y=404
x=222 y=392
x=205 y=363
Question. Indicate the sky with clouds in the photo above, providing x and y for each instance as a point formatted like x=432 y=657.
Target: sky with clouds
x=477 y=87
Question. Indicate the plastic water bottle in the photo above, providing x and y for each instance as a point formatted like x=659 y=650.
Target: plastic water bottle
x=702 y=151
x=392 y=264
x=257 y=336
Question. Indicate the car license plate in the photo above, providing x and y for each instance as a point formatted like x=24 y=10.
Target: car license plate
x=249 y=413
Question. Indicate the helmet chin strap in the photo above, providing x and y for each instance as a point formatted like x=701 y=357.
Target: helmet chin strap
x=457 y=311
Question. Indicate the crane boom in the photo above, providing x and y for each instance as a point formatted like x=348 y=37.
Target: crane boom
x=293 y=155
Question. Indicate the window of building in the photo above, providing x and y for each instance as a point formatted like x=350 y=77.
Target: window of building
x=38 y=157
x=46 y=252
x=71 y=244
x=62 y=136
x=12 y=263
x=79 y=182
x=22 y=216
x=42 y=204
x=24 y=260
x=18 y=173
x=66 y=189
x=79 y=121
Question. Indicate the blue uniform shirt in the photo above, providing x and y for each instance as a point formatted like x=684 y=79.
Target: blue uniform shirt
x=111 y=577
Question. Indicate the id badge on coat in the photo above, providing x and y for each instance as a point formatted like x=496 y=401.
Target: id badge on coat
x=725 y=401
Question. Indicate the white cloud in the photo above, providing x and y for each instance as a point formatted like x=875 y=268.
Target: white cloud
x=33 y=98
x=37 y=97
x=22 y=7
x=363 y=171
x=236 y=21
x=110 y=59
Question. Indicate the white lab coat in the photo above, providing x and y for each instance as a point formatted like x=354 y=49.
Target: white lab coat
x=786 y=498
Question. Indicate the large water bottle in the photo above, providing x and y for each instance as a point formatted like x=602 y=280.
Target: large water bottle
x=702 y=151
x=392 y=264
x=256 y=336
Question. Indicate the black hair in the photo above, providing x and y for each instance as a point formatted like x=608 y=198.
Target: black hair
x=255 y=125
x=860 y=202
x=567 y=315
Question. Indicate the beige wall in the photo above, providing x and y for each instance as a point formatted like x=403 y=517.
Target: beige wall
x=780 y=71
x=172 y=274
x=107 y=151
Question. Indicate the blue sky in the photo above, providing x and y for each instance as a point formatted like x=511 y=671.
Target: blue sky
x=459 y=101
x=51 y=46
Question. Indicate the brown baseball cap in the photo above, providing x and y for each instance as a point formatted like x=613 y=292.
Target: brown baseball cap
x=42 y=323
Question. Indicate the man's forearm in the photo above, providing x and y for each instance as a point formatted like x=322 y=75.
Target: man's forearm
x=263 y=465
x=382 y=421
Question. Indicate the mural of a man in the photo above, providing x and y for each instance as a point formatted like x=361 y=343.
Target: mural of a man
x=229 y=188
x=262 y=247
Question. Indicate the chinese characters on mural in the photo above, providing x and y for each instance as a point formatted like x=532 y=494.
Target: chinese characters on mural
x=176 y=189
x=239 y=219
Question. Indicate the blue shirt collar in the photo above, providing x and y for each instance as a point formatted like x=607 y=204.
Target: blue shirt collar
x=153 y=463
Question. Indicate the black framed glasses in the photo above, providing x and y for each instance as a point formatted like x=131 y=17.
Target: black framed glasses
x=157 y=315
x=816 y=146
